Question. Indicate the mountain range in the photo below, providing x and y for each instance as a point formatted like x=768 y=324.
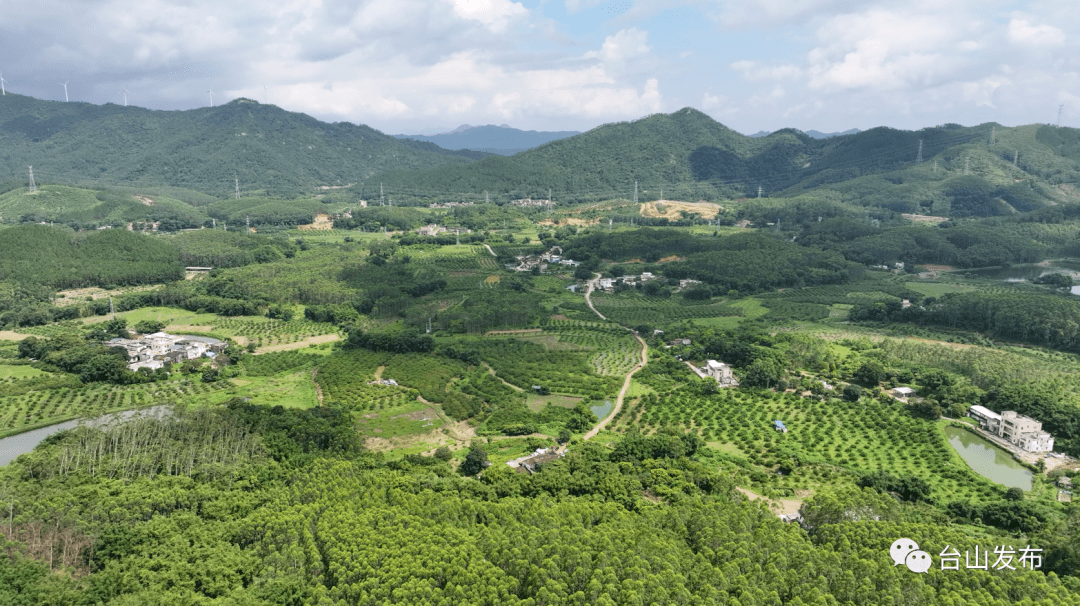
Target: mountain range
x=263 y=147
x=502 y=140
x=813 y=133
x=263 y=150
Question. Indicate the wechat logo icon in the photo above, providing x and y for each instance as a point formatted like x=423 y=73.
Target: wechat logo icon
x=907 y=552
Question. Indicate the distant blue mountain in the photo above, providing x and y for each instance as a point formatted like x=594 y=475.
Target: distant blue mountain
x=501 y=140
x=813 y=133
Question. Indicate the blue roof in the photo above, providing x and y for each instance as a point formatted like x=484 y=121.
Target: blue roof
x=779 y=424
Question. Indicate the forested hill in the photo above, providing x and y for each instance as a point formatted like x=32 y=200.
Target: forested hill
x=692 y=156
x=267 y=148
x=501 y=140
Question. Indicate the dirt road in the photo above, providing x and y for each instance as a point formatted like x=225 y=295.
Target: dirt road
x=589 y=286
x=622 y=392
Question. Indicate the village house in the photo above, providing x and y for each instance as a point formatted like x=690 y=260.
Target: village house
x=902 y=393
x=158 y=349
x=721 y=372
x=1015 y=428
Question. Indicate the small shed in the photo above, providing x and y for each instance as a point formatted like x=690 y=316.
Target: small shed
x=779 y=426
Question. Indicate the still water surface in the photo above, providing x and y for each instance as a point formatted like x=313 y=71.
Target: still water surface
x=22 y=443
x=989 y=460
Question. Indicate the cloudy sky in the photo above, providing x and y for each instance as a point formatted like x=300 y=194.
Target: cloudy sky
x=426 y=66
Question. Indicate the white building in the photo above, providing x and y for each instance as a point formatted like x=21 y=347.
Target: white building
x=721 y=372
x=160 y=348
x=1017 y=429
x=988 y=419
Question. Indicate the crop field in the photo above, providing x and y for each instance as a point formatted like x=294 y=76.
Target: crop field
x=824 y=437
x=343 y=379
x=937 y=289
x=524 y=364
x=264 y=331
x=33 y=402
x=269 y=364
x=634 y=309
x=453 y=258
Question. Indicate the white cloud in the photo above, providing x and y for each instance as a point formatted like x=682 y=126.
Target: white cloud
x=888 y=49
x=622 y=45
x=575 y=6
x=981 y=93
x=496 y=15
x=752 y=70
x=711 y=101
x=1023 y=33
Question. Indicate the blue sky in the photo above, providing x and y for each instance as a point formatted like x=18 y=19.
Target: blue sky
x=425 y=66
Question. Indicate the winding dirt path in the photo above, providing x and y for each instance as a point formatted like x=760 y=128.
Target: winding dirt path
x=622 y=392
x=589 y=286
x=318 y=390
x=490 y=251
x=491 y=371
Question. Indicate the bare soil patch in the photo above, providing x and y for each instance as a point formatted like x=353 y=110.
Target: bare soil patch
x=322 y=222
x=924 y=218
x=672 y=209
x=777 y=506
x=8 y=335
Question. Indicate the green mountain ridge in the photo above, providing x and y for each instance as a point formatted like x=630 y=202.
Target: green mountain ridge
x=265 y=147
x=691 y=156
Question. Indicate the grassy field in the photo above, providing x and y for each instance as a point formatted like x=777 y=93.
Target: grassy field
x=19 y=371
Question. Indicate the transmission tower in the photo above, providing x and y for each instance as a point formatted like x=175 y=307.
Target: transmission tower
x=759 y=191
x=1060 y=107
x=1016 y=156
x=918 y=157
x=993 y=133
x=380 y=195
x=33 y=186
x=967 y=165
x=635 y=192
x=237 y=179
x=487 y=200
x=935 y=166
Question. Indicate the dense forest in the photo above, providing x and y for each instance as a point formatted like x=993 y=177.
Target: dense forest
x=268 y=149
x=256 y=505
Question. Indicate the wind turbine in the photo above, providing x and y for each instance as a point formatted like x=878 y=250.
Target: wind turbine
x=3 y=91
x=125 y=97
x=211 y=91
x=65 y=91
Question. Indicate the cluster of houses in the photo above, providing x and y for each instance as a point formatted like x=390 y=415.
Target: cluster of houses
x=608 y=284
x=1013 y=427
x=527 y=262
x=448 y=204
x=530 y=202
x=896 y=268
x=433 y=229
x=158 y=349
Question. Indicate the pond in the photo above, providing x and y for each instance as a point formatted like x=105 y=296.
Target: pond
x=989 y=460
x=22 y=443
x=1028 y=271
x=602 y=410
